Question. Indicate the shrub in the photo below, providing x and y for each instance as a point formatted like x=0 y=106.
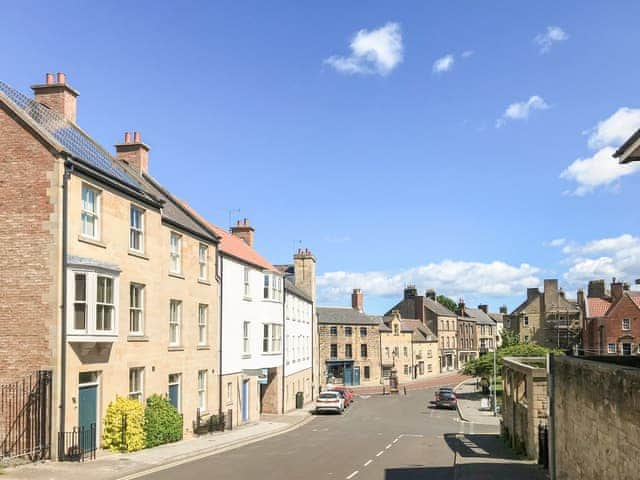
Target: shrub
x=112 y=437
x=162 y=422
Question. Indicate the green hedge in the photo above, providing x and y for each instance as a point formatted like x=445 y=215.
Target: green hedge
x=162 y=422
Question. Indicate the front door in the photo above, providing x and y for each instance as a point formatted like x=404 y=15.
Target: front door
x=348 y=375
x=245 y=401
x=626 y=349
x=356 y=376
x=88 y=408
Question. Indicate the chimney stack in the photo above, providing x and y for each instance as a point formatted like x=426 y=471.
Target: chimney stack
x=503 y=310
x=596 y=289
x=135 y=154
x=410 y=291
x=58 y=96
x=304 y=266
x=484 y=308
x=357 y=300
x=580 y=298
x=461 y=306
x=532 y=293
x=245 y=232
x=431 y=293
x=616 y=290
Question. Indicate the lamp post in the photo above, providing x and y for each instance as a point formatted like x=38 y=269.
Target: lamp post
x=495 y=406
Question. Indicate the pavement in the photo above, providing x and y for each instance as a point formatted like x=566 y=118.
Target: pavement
x=469 y=404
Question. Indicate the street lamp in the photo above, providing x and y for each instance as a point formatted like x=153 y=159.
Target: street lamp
x=495 y=405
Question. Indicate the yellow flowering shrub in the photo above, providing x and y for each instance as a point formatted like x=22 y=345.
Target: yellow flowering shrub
x=134 y=438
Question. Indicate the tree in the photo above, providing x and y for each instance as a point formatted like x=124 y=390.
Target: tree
x=483 y=366
x=509 y=337
x=447 y=302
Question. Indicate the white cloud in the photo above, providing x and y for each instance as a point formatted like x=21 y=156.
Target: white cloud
x=616 y=129
x=376 y=51
x=601 y=169
x=522 y=110
x=443 y=64
x=556 y=242
x=455 y=278
x=467 y=53
x=547 y=39
x=604 y=258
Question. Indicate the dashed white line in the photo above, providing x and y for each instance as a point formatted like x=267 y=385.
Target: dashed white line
x=395 y=441
x=353 y=475
x=379 y=453
x=368 y=463
x=388 y=447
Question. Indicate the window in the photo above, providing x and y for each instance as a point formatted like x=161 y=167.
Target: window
x=203 y=261
x=429 y=353
x=80 y=302
x=175 y=314
x=626 y=324
x=406 y=369
x=526 y=321
x=272 y=287
x=363 y=350
x=429 y=368
x=174 y=393
x=136 y=384
x=396 y=329
x=229 y=391
x=334 y=331
x=247 y=286
x=347 y=351
x=611 y=348
x=202 y=390
x=203 y=314
x=363 y=331
x=272 y=338
x=175 y=253
x=406 y=352
x=626 y=349
x=136 y=230
x=90 y=212
x=136 y=309
x=334 y=350
x=104 y=304
x=348 y=331
x=266 y=286
x=367 y=373
x=246 y=347
x=386 y=351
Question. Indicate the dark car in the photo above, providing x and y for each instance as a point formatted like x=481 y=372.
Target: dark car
x=443 y=390
x=345 y=393
x=447 y=400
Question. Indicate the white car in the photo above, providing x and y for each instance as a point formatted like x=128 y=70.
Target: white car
x=332 y=401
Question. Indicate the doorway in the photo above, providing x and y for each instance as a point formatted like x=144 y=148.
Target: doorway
x=88 y=407
x=174 y=390
x=245 y=401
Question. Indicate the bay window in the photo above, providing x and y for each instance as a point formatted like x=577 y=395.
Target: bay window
x=92 y=300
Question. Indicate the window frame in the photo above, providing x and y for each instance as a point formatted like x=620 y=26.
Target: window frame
x=203 y=326
x=175 y=256
x=177 y=324
x=348 y=331
x=138 y=393
x=202 y=390
x=247 y=282
x=333 y=346
x=246 y=338
x=612 y=350
x=94 y=215
x=628 y=322
x=364 y=350
x=203 y=262
x=348 y=350
x=90 y=301
x=136 y=231
x=333 y=331
x=138 y=309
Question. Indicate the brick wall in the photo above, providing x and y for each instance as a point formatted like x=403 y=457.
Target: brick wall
x=596 y=419
x=30 y=259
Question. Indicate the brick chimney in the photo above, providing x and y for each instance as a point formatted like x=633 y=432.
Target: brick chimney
x=135 y=153
x=244 y=231
x=56 y=94
x=617 y=289
x=484 y=308
x=410 y=291
x=461 y=307
x=596 y=289
x=357 y=300
x=304 y=265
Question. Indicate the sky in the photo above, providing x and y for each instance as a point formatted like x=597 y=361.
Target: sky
x=463 y=146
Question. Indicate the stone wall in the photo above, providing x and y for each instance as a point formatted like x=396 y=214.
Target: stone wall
x=525 y=402
x=595 y=420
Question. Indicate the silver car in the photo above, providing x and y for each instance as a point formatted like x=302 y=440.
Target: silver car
x=330 y=401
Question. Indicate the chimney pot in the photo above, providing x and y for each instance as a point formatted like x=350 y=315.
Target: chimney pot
x=49 y=80
x=136 y=137
x=62 y=78
x=135 y=153
x=58 y=96
x=127 y=137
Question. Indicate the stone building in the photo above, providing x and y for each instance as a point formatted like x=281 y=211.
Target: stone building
x=114 y=281
x=499 y=319
x=547 y=318
x=612 y=319
x=441 y=321
x=408 y=347
x=349 y=344
x=467 y=340
x=486 y=330
x=525 y=402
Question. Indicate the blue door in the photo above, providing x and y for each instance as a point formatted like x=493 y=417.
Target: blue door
x=88 y=412
x=245 y=401
x=348 y=375
x=356 y=376
x=174 y=395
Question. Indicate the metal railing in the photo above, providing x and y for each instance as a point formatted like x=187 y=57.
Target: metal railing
x=77 y=445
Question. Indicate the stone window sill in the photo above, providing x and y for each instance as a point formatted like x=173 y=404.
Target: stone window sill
x=141 y=255
x=203 y=347
x=91 y=241
x=204 y=281
x=137 y=338
x=176 y=275
x=247 y=299
x=176 y=348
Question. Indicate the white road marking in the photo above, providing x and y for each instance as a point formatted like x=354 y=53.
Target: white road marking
x=368 y=463
x=395 y=441
x=388 y=447
x=379 y=453
x=414 y=435
x=353 y=475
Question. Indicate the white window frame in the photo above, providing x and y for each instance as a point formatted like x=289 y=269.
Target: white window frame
x=90 y=301
x=628 y=324
x=203 y=262
x=202 y=390
x=179 y=384
x=175 y=253
x=203 y=324
x=229 y=391
x=246 y=276
x=136 y=231
x=610 y=349
x=136 y=310
x=175 y=322
x=266 y=289
x=246 y=339
x=271 y=338
x=136 y=392
x=87 y=214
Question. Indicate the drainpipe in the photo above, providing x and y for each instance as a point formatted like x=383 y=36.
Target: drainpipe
x=220 y=269
x=68 y=167
x=284 y=337
x=552 y=414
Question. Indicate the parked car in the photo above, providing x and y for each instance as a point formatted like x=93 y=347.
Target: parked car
x=331 y=401
x=346 y=393
x=447 y=399
x=441 y=390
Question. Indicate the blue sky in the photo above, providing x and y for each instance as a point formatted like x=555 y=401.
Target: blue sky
x=429 y=148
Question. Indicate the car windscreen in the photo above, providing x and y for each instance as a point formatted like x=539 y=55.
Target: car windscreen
x=332 y=395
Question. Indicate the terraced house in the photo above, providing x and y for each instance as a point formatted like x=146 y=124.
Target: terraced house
x=108 y=281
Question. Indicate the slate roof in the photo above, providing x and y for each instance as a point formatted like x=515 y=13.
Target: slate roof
x=438 y=308
x=71 y=139
x=290 y=287
x=346 y=316
x=481 y=317
x=496 y=317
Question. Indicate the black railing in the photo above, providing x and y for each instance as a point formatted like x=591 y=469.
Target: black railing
x=212 y=423
x=78 y=445
x=25 y=417
x=543 y=445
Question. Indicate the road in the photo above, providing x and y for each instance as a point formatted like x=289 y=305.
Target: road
x=379 y=437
